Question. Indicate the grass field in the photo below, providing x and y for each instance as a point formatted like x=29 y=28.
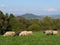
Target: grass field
x=37 y=38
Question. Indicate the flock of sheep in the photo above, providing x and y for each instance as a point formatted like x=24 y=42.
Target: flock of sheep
x=24 y=33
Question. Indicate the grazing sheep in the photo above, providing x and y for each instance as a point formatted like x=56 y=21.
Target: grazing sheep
x=48 y=32
x=9 y=33
x=55 y=32
x=24 y=33
x=29 y=32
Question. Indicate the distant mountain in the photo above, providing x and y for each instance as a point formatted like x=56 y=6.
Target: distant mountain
x=32 y=16
x=55 y=16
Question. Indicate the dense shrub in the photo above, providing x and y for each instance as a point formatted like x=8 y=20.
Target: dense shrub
x=34 y=27
x=15 y=25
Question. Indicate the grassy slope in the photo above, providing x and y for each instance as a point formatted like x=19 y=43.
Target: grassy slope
x=38 y=38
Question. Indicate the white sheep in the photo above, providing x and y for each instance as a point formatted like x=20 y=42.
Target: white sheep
x=55 y=32
x=48 y=32
x=29 y=32
x=9 y=33
x=24 y=33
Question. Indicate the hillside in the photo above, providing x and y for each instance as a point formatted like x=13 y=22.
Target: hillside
x=32 y=16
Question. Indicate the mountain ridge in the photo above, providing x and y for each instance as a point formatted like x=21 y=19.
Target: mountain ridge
x=33 y=16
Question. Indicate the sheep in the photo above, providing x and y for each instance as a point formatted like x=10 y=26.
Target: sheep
x=29 y=32
x=51 y=32
x=24 y=33
x=55 y=32
x=48 y=32
x=9 y=33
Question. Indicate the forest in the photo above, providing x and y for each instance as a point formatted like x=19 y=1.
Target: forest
x=10 y=22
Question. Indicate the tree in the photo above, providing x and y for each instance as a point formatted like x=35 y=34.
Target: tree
x=47 y=22
x=36 y=21
x=24 y=22
x=11 y=15
x=2 y=21
x=34 y=27
x=6 y=15
x=15 y=25
x=1 y=15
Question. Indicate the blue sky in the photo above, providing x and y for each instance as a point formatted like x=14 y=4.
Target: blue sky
x=38 y=7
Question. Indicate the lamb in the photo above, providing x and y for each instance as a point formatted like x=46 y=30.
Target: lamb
x=9 y=33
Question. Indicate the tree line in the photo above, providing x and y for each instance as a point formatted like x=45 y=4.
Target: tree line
x=9 y=22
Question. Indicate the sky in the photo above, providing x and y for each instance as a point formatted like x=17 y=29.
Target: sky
x=37 y=7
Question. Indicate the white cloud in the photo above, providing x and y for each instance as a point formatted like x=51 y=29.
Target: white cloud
x=2 y=5
x=51 y=10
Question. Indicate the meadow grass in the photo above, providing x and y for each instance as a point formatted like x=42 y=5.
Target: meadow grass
x=37 y=38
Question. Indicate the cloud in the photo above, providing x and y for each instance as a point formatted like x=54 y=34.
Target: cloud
x=51 y=10
x=2 y=5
